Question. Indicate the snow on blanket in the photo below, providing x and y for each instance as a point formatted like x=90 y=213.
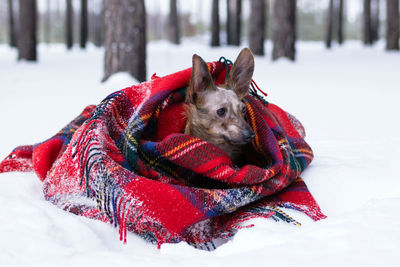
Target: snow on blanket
x=127 y=162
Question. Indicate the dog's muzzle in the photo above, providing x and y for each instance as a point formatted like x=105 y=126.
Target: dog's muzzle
x=247 y=136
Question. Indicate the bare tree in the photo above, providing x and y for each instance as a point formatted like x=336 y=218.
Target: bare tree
x=69 y=24
x=257 y=26
x=375 y=20
x=329 y=25
x=284 y=33
x=334 y=22
x=367 y=33
x=173 y=23
x=238 y=22
x=392 y=25
x=215 y=23
x=340 y=21
x=27 y=36
x=228 y=23
x=125 y=38
x=12 y=29
x=84 y=23
x=234 y=21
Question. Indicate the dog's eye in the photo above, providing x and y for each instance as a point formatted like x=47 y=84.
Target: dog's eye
x=221 y=112
x=244 y=110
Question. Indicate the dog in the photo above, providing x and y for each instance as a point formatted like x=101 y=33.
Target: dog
x=217 y=113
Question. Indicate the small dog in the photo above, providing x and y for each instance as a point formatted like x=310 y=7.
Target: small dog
x=217 y=113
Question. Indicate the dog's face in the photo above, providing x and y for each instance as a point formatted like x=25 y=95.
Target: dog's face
x=217 y=113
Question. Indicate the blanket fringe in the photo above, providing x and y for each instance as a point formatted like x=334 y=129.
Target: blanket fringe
x=231 y=225
x=313 y=213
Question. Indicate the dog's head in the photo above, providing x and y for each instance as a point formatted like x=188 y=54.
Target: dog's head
x=217 y=113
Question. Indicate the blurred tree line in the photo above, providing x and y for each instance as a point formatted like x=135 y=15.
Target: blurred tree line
x=311 y=14
x=124 y=27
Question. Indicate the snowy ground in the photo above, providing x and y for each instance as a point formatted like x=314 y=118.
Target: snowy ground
x=347 y=99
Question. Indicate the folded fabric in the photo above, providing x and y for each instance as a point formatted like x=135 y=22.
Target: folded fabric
x=127 y=162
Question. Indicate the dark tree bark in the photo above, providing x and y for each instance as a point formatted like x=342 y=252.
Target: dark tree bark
x=257 y=26
x=215 y=24
x=228 y=23
x=69 y=36
x=340 y=36
x=334 y=23
x=97 y=25
x=125 y=38
x=238 y=22
x=375 y=20
x=84 y=23
x=173 y=24
x=284 y=33
x=234 y=9
x=234 y=21
x=12 y=29
x=392 y=25
x=27 y=36
x=367 y=23
x=329 y=25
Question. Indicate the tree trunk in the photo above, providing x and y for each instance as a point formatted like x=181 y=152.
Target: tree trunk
x=69 y=24
x=234 y=9
x=215 y=23
x=284 y=33
x=340 y=37
x=375 y=20
x=329 y=25
x=392 y=25
x=27 y=25
x=257 y=27
x=228 y=23
x=367 y=23
x=97 y=25
x=173 y=24
x=238 y=22
x=84 y=23
x=12 y=30
x=125 y=38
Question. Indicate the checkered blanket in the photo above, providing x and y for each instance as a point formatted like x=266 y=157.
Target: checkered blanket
x=127 y=162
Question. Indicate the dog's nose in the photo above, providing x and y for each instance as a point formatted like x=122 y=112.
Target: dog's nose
x=248 y=135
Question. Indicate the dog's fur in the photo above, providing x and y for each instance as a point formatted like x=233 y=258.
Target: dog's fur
x=217 y=113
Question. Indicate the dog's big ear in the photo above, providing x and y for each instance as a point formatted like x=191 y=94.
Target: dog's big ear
x=200 y=80
x=240 y=75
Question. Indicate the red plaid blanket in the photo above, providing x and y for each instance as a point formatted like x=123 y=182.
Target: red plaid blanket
x=126 y=161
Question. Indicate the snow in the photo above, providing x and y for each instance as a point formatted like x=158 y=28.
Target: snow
x=347 y=99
